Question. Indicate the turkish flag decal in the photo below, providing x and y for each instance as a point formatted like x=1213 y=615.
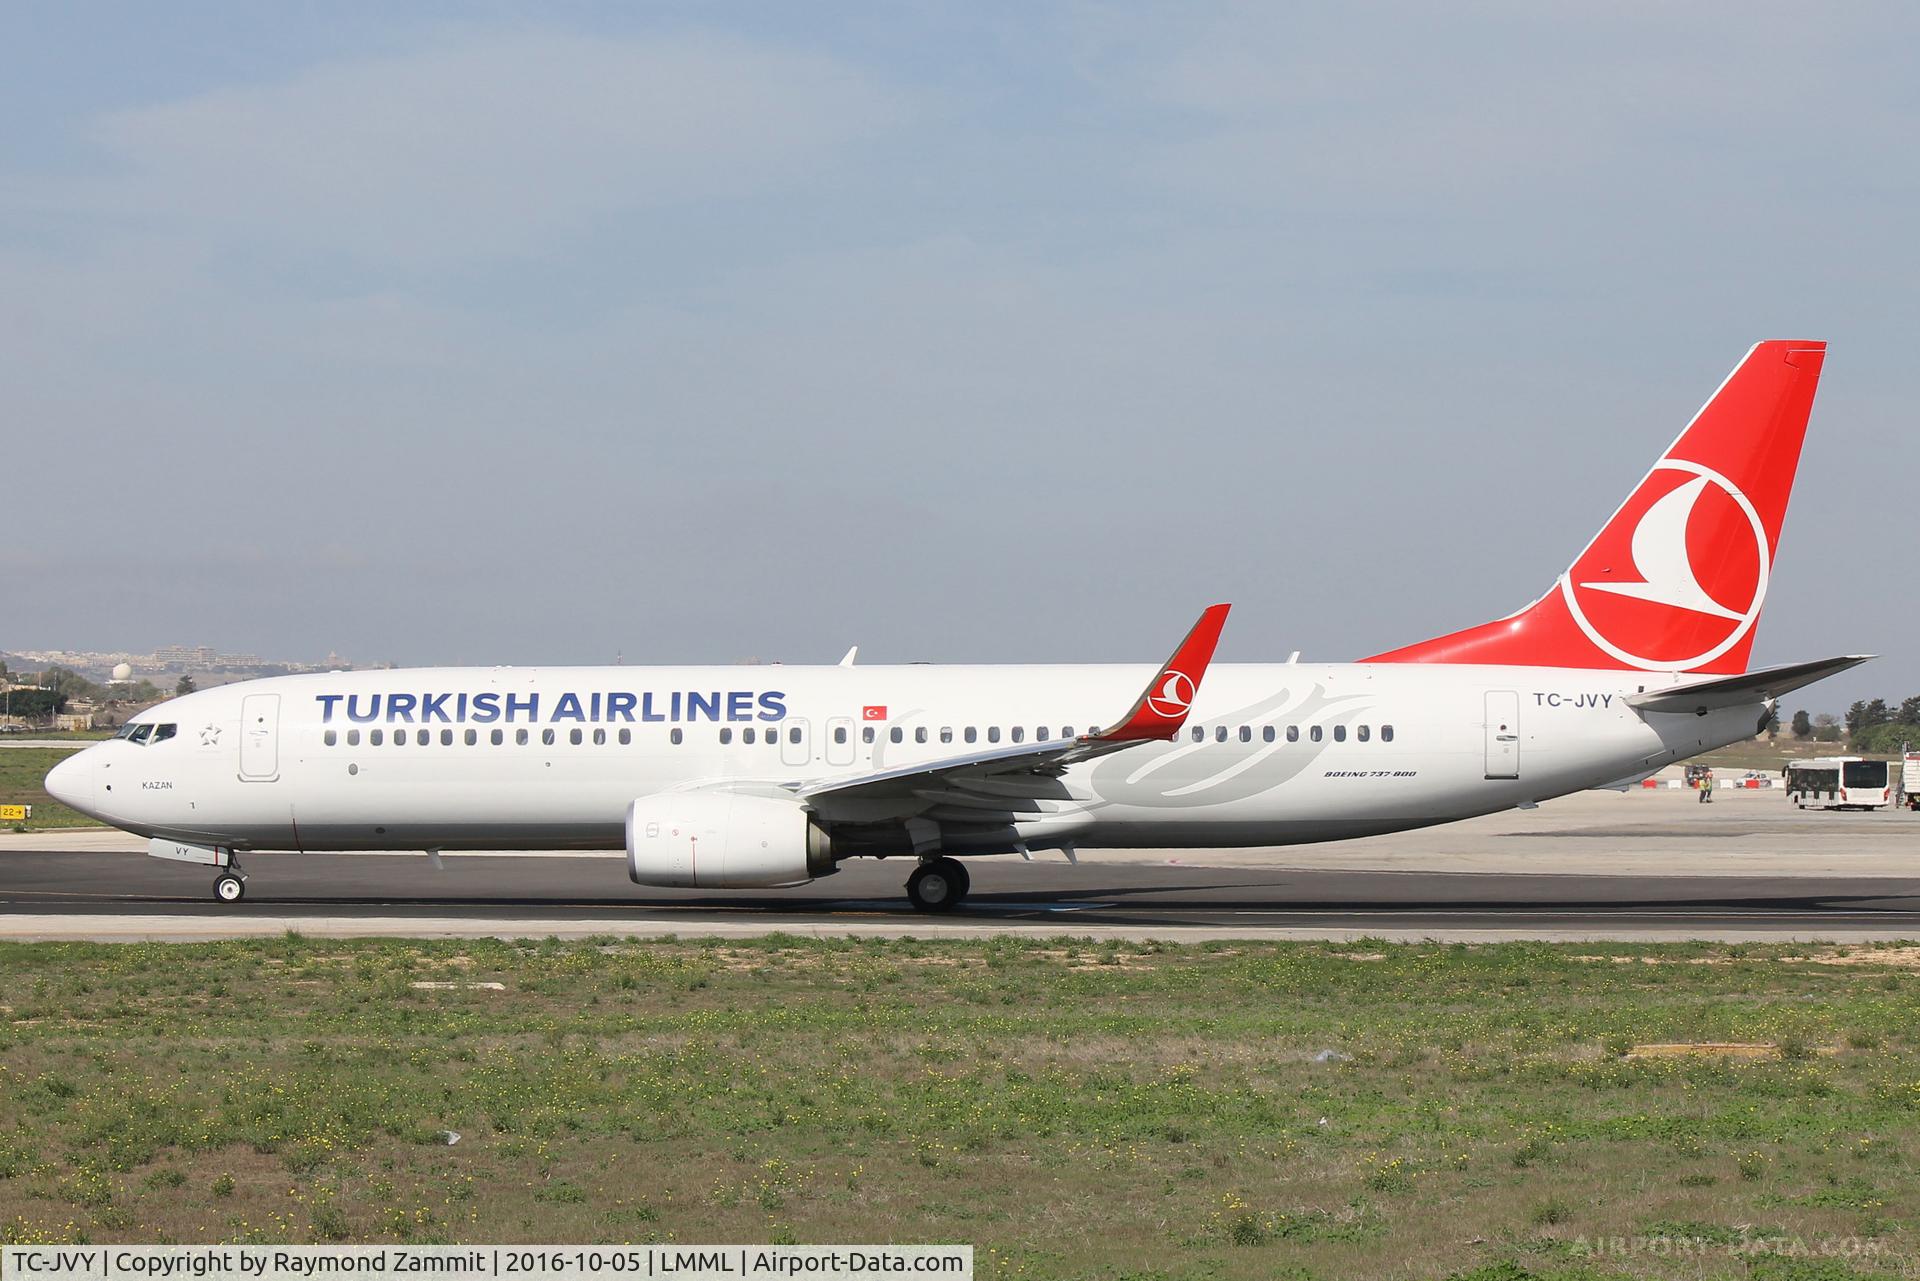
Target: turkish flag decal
x=871 y=713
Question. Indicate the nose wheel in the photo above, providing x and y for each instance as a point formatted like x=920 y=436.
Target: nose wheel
x=938 y=884
x=229 y=887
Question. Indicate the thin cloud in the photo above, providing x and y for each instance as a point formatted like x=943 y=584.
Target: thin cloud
x=490 y=146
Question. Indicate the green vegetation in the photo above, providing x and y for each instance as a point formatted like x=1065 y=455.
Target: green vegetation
x=23 y=773
x=1074 y=1109
x=1769 y=756
x=1873 y=727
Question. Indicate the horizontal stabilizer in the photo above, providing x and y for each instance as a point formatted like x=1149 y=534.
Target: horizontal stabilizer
x=1748 y=687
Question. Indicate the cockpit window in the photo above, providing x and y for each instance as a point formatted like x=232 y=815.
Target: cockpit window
x=141 y=732
x=161 y=733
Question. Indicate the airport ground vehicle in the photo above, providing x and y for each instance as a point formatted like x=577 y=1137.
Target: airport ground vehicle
x=730 y=777
x=1910 y=779
x=1841 y=783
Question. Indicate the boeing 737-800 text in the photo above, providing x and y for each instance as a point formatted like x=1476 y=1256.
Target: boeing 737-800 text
x=728 y=777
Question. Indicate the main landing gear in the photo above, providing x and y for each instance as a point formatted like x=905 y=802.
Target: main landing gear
x=231 y=885
x=938 y=884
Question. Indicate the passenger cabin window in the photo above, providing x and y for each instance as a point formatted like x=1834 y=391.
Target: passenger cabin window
x=993 y=733
x=574 y=736
x=1199 y=734
x=1266 y=733
x=1019 y=733
x=472 y=736
x=373 y=738
x=1386 y=733
x=972 y=734
x=1246 y=733
x=331 y=737
x=946 y=733
x=423 y=736
x=726 y=735
x=1219 y=733
x=1339 y=733
x=1293 y=733
x=920 y=734
x=353 y=738
x=839 y=733
x=626 y=736
x=746 y=736
x=674 y=736
x=520 y=737
x=793 y=734
x=546 y=737
x=895 y=735
x=1363 y=733
x=497 y=737
x=1066 y=731
x=866 y=733
x=1313 y=732
x=446 y=738
x=600 y=737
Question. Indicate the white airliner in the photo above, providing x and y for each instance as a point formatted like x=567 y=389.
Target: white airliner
x=731 y=777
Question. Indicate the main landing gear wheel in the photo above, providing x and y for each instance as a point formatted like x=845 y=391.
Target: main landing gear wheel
x=229 y=888
x=938 y=884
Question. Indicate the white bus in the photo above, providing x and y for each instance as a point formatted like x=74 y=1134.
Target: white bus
x=1841 y=783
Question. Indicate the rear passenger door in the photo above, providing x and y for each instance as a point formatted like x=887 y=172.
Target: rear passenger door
x=1503 y=733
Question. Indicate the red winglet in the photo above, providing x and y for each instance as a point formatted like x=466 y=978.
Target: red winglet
x=1162 y=708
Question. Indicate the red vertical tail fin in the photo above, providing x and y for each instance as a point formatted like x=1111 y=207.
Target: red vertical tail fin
x=1675 y=581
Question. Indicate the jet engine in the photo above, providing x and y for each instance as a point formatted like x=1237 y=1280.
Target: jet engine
x=724 y=841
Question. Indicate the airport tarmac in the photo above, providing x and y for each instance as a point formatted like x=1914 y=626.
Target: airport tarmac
x=1599 y=866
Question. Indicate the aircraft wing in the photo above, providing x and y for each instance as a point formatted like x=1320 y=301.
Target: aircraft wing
x=1157 y=715
x=1748 y=687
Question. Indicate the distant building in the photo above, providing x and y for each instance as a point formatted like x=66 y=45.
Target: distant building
x=185 y=655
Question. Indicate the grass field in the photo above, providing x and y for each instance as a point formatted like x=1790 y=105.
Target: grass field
x=1074 y=1110
x=23 y=770
x=1771 y=756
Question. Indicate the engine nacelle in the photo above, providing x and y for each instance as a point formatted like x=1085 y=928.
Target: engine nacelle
x=724 y=841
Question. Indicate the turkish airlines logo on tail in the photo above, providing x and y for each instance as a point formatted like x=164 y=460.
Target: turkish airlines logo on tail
x=1660 y=554
x=1679 y=575
x=1173 y=696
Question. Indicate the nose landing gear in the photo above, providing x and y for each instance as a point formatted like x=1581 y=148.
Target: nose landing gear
x=231 y=885
x=938 y=884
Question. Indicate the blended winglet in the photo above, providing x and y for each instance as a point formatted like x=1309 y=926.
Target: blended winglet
x=1163 y=706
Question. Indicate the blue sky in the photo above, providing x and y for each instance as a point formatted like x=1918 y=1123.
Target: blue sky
x=540 y=333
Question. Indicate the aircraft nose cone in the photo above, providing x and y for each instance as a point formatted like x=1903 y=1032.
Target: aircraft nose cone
x=71 y=782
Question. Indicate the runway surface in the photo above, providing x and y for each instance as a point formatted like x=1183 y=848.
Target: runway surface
x=114 y=896
x=1590 y=867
